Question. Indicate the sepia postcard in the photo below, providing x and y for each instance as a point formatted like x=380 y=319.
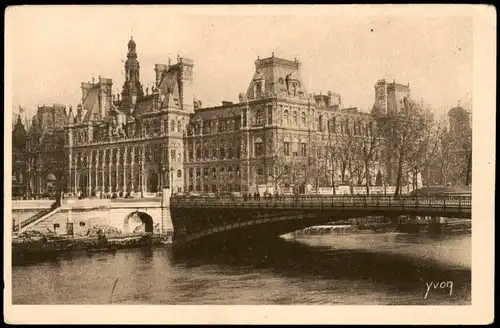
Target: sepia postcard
x=249 y=164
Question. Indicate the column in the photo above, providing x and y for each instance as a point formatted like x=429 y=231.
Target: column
x=125 y=158
x=96 y=169
x=89 y=159
x=132 y=162
x=75 y=177
x=117 y=169
x=70 y=180
x=143 y=159
x=103 y=160
x=110 y=157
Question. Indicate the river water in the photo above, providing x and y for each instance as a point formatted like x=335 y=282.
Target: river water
x=360 y=269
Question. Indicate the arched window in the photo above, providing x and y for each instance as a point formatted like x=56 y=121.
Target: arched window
x=303 y=119
x=179 y=173
x=259 y=117
x=238 y=171
x=172 y=126
x=286 y=117
x=230 y=171
x=179 y=126
x=295 y=118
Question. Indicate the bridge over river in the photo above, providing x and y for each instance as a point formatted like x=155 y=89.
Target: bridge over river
x=198 y=218
x=195 y=220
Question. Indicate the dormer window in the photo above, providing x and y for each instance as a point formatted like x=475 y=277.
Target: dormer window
x=258 y=89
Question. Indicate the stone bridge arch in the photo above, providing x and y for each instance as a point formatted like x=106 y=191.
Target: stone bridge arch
x=137 y=219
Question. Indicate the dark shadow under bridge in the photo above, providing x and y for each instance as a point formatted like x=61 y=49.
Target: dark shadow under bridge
x=234 y=218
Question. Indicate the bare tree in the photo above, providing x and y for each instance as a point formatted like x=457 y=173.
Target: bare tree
x=367 y=146
x=409 y=137
x=349 y=157
x=454 y=156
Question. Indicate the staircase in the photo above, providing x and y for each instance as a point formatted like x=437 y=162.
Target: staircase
x=40 y=216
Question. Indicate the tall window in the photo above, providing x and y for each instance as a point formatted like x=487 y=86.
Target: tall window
x=214 y=172
x=190 y=174
x=205 y=172
x=259 y=117
x=259 y=149
x=303 y=119
x=270 y=114
x=172 y=155
x=295 y=118
x=179 y=173
x=286 y=117
x=222 y=153
x=303 y=149
x=286 y=148
x=172 y=126
x=205 y=154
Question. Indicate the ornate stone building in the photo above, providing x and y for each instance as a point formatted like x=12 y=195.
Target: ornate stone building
x=278 y=136
x=46 y=158
x=19 y=158
x=130 y=144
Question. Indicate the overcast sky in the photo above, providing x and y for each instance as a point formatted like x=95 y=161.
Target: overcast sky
x=55 y=48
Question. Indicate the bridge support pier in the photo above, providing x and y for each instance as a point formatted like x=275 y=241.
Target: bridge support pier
x=166 y=218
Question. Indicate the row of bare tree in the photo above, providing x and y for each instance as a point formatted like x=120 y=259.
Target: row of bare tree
x=403 y=146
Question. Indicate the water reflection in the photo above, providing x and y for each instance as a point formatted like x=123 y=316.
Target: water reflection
x=338 y=269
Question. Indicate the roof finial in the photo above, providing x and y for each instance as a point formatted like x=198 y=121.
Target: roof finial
x=273 y=54
x=92 y=78
x=459 y=103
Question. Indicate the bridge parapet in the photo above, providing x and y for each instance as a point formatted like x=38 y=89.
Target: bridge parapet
x=327 y=201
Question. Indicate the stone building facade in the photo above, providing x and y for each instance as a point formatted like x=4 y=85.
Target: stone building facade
x=19 y=158
x=130 y=144
x=277 y=136
x=45 y=156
